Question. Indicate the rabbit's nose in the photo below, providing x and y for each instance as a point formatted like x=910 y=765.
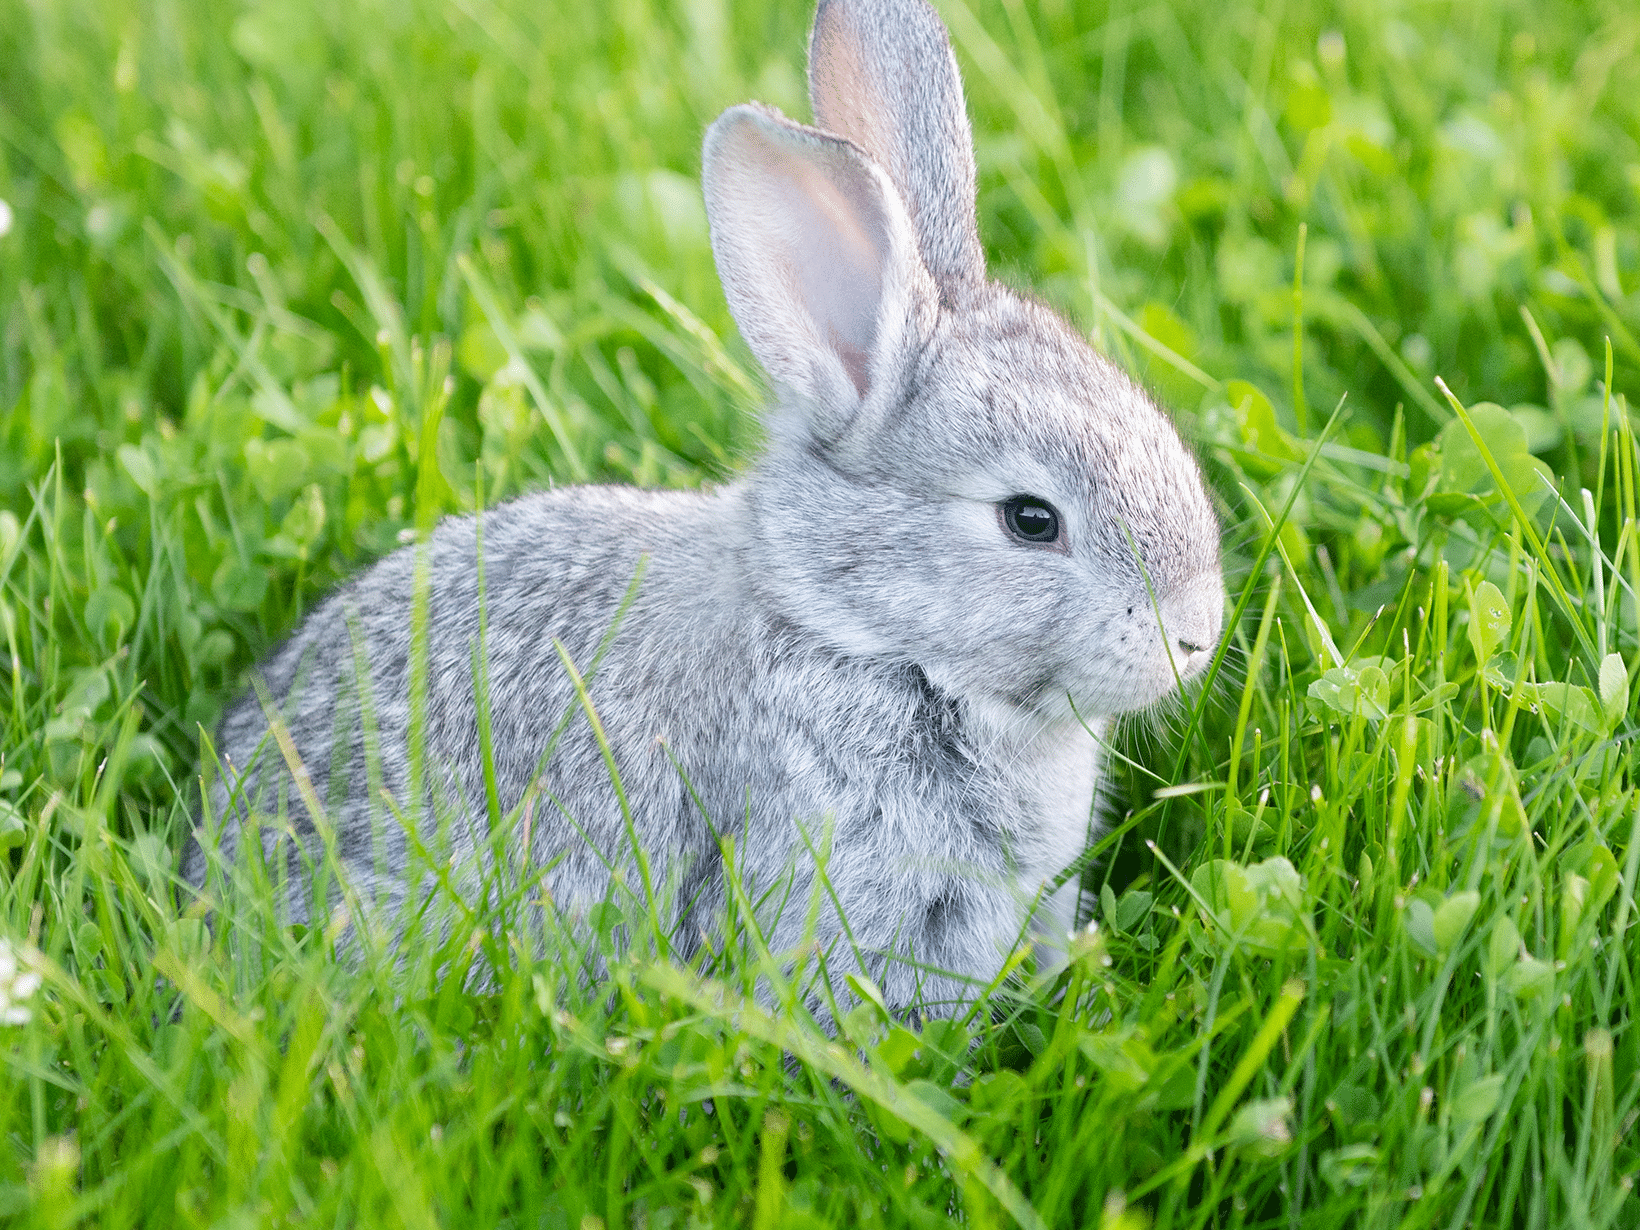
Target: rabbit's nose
x=1192 y=615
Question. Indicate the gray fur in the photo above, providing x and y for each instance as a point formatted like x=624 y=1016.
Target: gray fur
x=844 y=646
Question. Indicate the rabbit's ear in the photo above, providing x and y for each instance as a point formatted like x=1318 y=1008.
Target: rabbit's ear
x=818 y=261
x=881 y=73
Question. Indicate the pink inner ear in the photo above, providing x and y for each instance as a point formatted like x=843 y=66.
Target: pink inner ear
x=856 y=362
x=827 y=215
x=845 y=95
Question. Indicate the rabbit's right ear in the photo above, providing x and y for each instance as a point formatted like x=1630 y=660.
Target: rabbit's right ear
x=881 y=73
x=819 y=263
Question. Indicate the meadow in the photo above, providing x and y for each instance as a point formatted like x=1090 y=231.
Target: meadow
x=282 y=284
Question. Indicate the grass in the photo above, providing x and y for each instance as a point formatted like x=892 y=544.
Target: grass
x=281 y=283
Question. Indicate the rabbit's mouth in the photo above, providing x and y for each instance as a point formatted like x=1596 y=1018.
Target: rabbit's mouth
x=1137 y=662
x=1137 y=656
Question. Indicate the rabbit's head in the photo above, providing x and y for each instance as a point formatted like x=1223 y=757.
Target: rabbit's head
x=955 y=478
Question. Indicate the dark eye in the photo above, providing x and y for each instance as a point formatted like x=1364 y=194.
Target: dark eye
x=1031 y=520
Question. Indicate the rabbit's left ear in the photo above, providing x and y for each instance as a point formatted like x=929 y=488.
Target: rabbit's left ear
x=819 y=264
x=881 y=73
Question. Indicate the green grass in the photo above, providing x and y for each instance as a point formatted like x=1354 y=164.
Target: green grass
x=282 y=282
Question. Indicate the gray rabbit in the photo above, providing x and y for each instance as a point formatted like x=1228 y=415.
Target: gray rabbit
x=888 y=652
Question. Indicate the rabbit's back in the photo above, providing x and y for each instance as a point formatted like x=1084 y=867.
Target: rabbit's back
x=552 y=566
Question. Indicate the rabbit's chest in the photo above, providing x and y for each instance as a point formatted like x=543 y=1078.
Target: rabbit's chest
x=1051 y=784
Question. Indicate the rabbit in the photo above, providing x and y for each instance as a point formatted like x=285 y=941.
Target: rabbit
x=887 y=654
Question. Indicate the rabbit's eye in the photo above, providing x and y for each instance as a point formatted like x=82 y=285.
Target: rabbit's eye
x=1031 y=520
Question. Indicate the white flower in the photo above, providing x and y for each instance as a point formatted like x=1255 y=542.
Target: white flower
x=5 y=219
x=16 y=985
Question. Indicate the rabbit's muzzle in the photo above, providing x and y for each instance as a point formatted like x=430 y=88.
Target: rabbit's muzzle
x=1149 y=646
x=1191 y=619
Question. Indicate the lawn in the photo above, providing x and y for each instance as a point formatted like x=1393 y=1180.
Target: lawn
x=282 y=283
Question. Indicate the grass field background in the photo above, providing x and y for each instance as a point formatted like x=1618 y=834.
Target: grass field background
x=278 y=283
